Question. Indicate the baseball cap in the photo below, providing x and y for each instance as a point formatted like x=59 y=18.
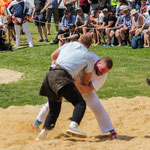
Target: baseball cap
x=72 y=25
x=79 y=9
x=105 y=10
x=131 y=0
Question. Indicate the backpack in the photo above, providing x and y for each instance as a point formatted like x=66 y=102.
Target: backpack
x=137 y=41
x=4 y=46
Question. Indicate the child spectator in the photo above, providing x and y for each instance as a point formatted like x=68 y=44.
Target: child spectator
x=69 y=36
x=66 y=20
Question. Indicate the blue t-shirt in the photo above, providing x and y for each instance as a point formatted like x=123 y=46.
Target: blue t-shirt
x=53 y=3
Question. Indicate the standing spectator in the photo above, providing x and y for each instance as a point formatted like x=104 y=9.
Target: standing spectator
x=143 y=8
x=39 y=14
x=66 y=20
x=137 y=21
x=21 y=10
x=53 y=10
x=133 y=5
x=114 y=4
x=71 y=6
x=82 y=21
x=84 y=4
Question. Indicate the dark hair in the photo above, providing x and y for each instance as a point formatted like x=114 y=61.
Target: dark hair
x=66 y=11
x=108 y=61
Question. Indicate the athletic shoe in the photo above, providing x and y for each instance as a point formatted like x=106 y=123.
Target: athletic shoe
x=36 y=125
x=114 y=135
x=74 y=131
x=41 y=40
x=46 y=40
x=30 y=45
x=15 y=46
x=42 y=135
x=148 y=81
x=52 y=43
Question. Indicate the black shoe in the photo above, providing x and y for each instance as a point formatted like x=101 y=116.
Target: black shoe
x=46 y=40
x=41 y=40
x=148 y=81
x=124 y=43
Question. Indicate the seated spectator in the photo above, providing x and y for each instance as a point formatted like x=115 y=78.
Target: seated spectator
x=138 y=2
x=137 y=21
x=82 y=21
x=66 y=20
x=39 y=16
x=93 y=4
x=146 y=31
x=143 y=8
x=53 y=10
x=95 y=23
x=127 y=23
x=84 y=5
x=69 y=36
x=109 y=22
x=102 y=5
x=133 y=5
x=119 y=25
x=121 y=2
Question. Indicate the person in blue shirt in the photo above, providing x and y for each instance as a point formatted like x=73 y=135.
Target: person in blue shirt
x=66 y=20
x=133 y=5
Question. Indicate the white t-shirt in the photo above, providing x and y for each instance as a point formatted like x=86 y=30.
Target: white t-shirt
x=75 y=57
x=101 y=18
x=96 y=81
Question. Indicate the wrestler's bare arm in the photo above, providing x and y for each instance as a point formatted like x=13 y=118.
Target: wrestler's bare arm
x=54 y=56
x=84 y=88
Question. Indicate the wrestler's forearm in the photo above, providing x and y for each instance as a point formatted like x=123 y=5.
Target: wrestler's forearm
x=84 y=88
x=87 y=78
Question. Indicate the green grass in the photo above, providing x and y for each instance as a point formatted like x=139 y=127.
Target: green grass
x=126 y=79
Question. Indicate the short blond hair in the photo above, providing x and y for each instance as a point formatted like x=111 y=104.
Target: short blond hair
x=86 y=39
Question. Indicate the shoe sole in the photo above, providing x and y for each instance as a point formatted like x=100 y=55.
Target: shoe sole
x=75 y=134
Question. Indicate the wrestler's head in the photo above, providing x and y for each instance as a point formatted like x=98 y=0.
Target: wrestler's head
x=102 y=66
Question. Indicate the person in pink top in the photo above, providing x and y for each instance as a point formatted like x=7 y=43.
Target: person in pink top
x=143 y=8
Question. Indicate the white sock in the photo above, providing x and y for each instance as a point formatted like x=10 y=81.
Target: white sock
x=73 y=124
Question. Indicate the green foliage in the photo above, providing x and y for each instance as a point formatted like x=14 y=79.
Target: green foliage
x=126 y=79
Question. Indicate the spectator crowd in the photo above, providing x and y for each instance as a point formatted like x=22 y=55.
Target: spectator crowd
x=110 y=22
